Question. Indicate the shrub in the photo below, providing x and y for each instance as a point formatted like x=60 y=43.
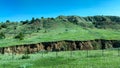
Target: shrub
x=2 y=35
x=20 y=36
x=4 y=25
x=0 y=27
x=66 y=30
x=45 y=31
x=26 y=56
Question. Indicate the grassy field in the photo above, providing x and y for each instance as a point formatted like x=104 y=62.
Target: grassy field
x=59 y=28
x=64 y=59
x=70 y=33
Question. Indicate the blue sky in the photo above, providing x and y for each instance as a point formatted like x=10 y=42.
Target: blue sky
x=17 y=10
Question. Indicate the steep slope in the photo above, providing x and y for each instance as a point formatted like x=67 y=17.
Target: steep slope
x=112 y=22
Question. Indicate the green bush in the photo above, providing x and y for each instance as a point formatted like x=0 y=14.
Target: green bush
x=26 y=56
x=4 y=25
x=20 y=36
x=0 y=27
x=2 y=35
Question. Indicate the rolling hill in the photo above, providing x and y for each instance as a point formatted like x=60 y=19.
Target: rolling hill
x=73 y=28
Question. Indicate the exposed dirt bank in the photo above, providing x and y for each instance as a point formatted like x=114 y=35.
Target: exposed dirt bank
x=61 y=46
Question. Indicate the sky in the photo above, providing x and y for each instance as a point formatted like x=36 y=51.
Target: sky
x=17 y=10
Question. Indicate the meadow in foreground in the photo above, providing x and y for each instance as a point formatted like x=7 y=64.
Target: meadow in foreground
x=65 y=59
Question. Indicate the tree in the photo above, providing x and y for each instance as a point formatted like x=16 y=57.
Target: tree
x=7 y=21
x=33 y=20
x=42 y=17
x=25 y=22
x=20 y=36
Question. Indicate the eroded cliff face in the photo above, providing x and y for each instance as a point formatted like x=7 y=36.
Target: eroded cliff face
x=60 y=46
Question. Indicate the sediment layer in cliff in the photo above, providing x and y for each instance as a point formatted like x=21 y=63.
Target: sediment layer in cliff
x=61 y=46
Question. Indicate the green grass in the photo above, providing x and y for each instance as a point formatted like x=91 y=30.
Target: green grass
x=58 y=34
x=78 y=59
x=61 y=28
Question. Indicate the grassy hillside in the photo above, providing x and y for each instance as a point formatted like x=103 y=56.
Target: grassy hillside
x=78 y=59
x=59 y=28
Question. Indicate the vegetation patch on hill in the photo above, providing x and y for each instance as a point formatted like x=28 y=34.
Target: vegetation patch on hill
x=59 y=28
